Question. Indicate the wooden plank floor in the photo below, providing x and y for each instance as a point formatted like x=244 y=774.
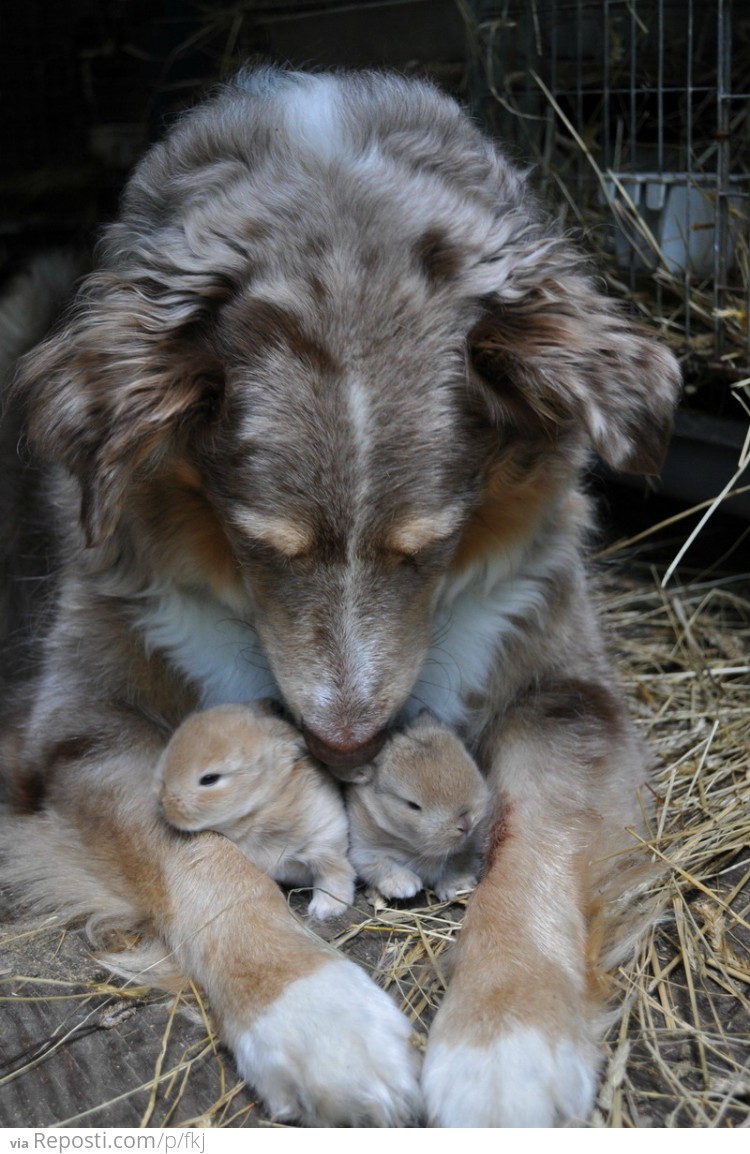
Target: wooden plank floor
x=74 y=1050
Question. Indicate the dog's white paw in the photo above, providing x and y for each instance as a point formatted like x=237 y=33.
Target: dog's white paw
x=333 y=1050
x=524 y=1078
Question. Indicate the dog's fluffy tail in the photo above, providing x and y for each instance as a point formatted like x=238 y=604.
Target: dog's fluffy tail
x=43 y=859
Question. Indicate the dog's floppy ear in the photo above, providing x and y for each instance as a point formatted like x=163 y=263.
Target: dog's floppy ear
x=563 y=352
x=110 y=390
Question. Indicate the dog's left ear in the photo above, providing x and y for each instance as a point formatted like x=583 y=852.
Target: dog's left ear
x=563 y=352
x=113 y=389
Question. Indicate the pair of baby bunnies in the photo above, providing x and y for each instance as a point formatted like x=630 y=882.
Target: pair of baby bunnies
x=414 y=819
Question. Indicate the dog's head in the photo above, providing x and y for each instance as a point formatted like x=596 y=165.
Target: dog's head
x=333 y=350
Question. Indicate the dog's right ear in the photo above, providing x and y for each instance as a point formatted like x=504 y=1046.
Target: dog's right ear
x=116 y=385
x=556 y=353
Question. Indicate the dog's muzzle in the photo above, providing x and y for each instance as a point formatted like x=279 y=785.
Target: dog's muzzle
x=345 y=759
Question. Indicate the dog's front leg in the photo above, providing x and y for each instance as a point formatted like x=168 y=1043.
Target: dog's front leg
x=309 y=1030
x=315 y=1037
x=515 y=1042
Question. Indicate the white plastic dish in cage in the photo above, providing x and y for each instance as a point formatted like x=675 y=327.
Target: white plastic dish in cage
x=669 y=220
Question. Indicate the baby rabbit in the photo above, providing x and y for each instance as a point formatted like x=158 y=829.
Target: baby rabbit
x=418 y=820
x=243 y=771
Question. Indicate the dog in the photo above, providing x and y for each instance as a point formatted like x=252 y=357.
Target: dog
x=314 y=429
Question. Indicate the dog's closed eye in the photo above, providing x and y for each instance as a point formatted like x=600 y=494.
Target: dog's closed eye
x=289 y=538
x=419 y=536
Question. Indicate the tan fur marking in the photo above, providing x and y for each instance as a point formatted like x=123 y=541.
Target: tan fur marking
x=187 y=475
x=287 y=537
x=509 y=512
x=186 y=527
x=419 y=533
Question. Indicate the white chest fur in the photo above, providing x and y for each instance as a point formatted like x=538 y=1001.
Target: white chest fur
x=477 y=614
x=218 y=652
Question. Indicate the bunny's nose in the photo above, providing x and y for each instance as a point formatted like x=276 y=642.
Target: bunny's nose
x=464 y=823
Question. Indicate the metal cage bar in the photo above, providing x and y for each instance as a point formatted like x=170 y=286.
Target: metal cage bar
x=637 y=113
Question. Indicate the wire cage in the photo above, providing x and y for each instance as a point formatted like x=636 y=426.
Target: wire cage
x=637 y=116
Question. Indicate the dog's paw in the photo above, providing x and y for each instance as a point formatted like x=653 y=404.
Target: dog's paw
x=333 y=1050
x=524 y=1078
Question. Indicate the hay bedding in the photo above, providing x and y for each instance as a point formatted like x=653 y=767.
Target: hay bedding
x=680 y=1054
x=83 y=1049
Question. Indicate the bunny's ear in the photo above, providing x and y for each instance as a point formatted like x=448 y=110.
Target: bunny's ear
x=111 y=390
x=560 y=353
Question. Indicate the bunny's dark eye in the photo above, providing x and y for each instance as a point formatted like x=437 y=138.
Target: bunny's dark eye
x=209 y=779
x=412 y=804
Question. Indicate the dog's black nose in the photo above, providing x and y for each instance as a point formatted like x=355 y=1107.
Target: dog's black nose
x=341 y=757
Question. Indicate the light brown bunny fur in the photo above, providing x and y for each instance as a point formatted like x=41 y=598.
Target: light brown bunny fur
x=417 y=821
x=243 y=772
x=315 y=428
